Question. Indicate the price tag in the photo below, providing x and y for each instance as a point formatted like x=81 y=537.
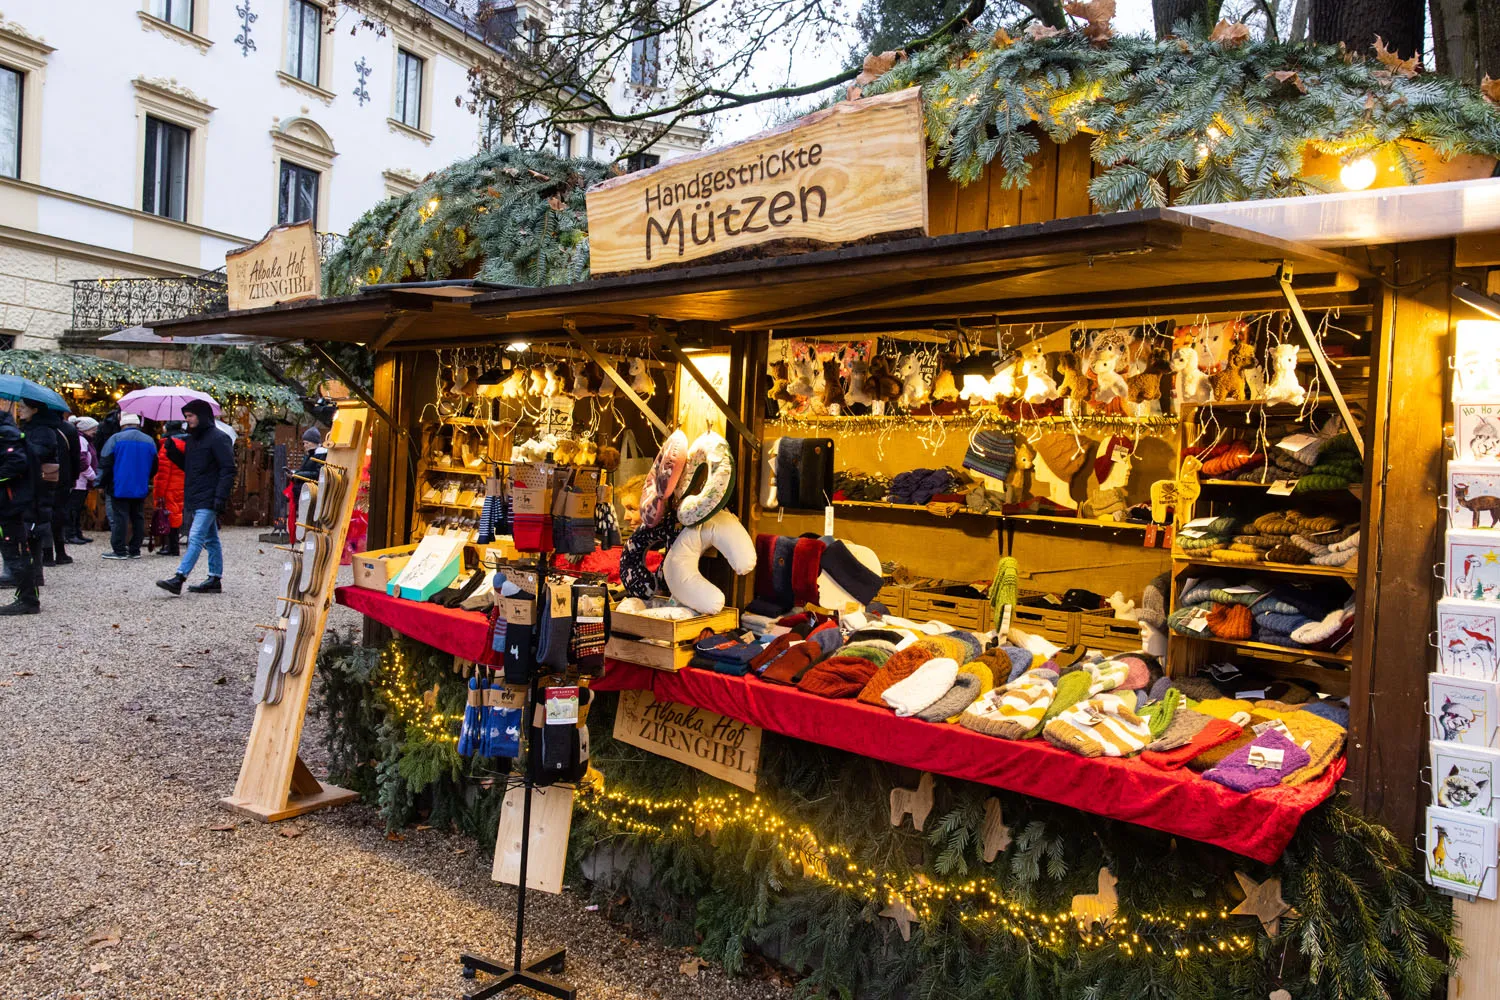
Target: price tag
x=1191 y=533
x=1265 y=757
x=828 y=521
x=590 y=608
x=1254 y=694
x=1200 y=522
x=1242 y=589
x=1198 y=623
x=1261 y=728
x=1296 y=442
x=1281 y=488
x=562 y=706
x=561 y=595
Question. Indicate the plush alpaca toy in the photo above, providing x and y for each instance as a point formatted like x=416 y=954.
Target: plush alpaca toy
x=1006 y=384
x=1110 y=389
x=804 y=377
x=538 y=380
x=944 y=386
x=883 y=386
x=640 y=378
x=778 y=392
x=609 y=457
x=914 y=389
x=1230 y=383
x=1071 y=384
x=552 y=383
x=1191 y=384
x=1284 y=387
x=588 y=452
x=831 y=392
x=565 y=451
x=514 y=386
x=600 y=384
x=470 y=384
x=1018 y=483
x=580 y=377
x=859 y=397
x=1143 y=386
x=1035 y=384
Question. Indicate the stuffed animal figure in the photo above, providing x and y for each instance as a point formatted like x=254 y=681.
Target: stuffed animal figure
x=944 y=386
x=552 y=382
x=1284 y=387
x=883 y=386
x=609 y=457
x=565 y=452
x=1036 y=386
x=538 y=385
x=514 y=386
x=1071 y=385
x=640 y=378
x=600 y=384
x=580 y=380
x=1005 y=384
x=537 y=449
x=832 y=390
x=805 y=373
x=588 y=453
x=858 y=397
x=1121 y=607
x=470 y=384
x=1230 y=382
x=778 y=392
x=1110 y=385
x=815 y=403
x=1191 y=384
x=1018 y=483
x=914 y=389
x=1143 y=385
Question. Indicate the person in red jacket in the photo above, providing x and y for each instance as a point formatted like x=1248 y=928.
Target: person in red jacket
x=168 y=485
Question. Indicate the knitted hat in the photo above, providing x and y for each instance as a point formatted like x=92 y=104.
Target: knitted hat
x=1235 y=770
x=1201 y=591
x=1328 y=633
x=1322 y=738
x=1159 y=689
x=1137 y=672
x=1104 y=460
x=1279 y=622
x=1016 y=661
x=312 y=436
x=1288 y=692
x=1061 y=452
x=966 y=688
x=1212 y=756
x=1072 y=687
x=130 y=420
x=86 y=424
x=787 y=664
x=1288 y=553
x=849 y=573
x=1230 y=621
x=1177 y=750
x=902 y=664
x=1014 y=711
x=1238 y=554
x=1103 y=726
x=1184 y=725
x=1196 y=688
x=845 y=674
x=1236 y=456
x=1153 y=609
x=922 y=687
x=1223 y=708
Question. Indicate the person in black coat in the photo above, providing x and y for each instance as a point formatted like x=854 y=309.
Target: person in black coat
x=73 y=449
x=49 y=451
x=19 y=476
x=207 y=461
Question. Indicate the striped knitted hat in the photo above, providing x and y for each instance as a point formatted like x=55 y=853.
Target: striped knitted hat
x=1014 y=711
x=1103 y=726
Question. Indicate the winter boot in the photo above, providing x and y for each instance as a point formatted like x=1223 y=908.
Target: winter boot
x=210 y=585
x=20 y=607
x=172 y=584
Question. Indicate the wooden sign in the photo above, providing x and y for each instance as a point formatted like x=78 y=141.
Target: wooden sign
x=723 y=747
x=283 y=267
x=848 y=173
x=551 y=819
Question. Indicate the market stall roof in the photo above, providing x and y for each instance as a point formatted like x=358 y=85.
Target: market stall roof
x=1365 y=218
x=1100 y=266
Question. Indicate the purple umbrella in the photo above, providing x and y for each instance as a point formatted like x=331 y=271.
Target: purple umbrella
x=163 y=402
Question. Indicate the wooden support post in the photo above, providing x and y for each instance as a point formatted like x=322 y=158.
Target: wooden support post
x=274 y=783
x=1284 y=278
x=614 y=376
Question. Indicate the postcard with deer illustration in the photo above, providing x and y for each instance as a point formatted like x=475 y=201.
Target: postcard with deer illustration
x=1472 y=568
x=1462 y=710
x=1463 y=777
x=1476 y=432
x=1468 y=638
x=1460 y=852
x=1473 y=495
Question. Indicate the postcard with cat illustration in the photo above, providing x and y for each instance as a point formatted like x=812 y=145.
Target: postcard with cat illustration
x=1468 y=638
x=1476 y=432
x=1460 y=853
x=1463 y=777
x=1462 y=710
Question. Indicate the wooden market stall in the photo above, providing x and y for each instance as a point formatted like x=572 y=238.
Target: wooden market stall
x=1368 y=324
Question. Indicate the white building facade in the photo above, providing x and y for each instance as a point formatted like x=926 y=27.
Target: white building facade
x=144 y=138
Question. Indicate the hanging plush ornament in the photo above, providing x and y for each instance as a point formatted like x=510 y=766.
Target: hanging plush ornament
x=514 y=386
x=831 y=391
x=1191 y=385
x=1035 y=385
x=640 y=378
x=778 y=393
x=858 y=397
x=599 y=383
x=915 y=390
x=538 y=383
x=1283 y=386
x=1071 y=385
x=944 y=385
x=804 y=373
x=552 y=385
x=1110 y=390
x=579 y=371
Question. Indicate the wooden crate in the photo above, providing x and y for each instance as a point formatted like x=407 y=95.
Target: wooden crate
x=1101 y=630
x=961 y=612
x=374 y=569
x=894 y=599
x=1053 y=624
x=672 y=647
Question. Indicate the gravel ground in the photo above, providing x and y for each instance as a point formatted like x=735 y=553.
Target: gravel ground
x=123 y=717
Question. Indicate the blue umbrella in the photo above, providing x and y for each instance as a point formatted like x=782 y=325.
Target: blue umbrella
x=16 y=387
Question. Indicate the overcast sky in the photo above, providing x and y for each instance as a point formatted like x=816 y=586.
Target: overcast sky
x=812 y=62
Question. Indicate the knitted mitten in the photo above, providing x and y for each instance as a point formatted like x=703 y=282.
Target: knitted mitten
x=1102 y=726
x=1212 y=733
x=1236 y=771
x=1015 y=711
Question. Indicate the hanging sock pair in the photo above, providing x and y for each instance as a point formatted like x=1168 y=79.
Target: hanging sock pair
x=555 y=628
x=605 y=527
x=469 y=733
x=590 y=628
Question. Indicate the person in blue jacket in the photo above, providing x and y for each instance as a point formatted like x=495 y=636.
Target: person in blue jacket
x=207 y=460
x=126 y=467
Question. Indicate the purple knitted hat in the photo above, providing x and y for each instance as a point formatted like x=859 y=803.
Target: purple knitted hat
x=1235 y=771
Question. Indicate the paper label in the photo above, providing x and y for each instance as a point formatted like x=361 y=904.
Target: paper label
x=1200 y=522
x=1192 y=533
x=1261 y=728
x=508 y=696
x=450 y=494
x=1243 y=588
x=590 y=608
x=1254 y=694
x=1198 y=623
x=1296 y=442
x=561 y=598
x=1281 y=488
x=828 y=521
x=1265 y=757
x=562 y=706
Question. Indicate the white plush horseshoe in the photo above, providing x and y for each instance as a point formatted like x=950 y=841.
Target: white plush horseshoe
x=700 y=498
x=680 y=567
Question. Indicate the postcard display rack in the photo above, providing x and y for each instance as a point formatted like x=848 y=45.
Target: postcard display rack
x=1463 y=695
x=274 y=784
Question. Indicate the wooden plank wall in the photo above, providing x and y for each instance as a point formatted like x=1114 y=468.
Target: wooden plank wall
x=1059 y=189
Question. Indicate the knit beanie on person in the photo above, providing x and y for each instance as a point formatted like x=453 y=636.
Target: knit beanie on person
x=1323 y=740
x=1103 y=726
x=1235 y=770
x=901 y=665
x=1182 y=750
x=312 y=436
x=922 y=687
x=1013 y=711
x=971 y=682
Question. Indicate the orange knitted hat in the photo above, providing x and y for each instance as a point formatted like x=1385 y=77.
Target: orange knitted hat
x=1230 y=621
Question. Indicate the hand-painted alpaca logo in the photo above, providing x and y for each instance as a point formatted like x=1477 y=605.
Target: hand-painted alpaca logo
x=1458 y=791
x=1485 y=441
x=1455 y=720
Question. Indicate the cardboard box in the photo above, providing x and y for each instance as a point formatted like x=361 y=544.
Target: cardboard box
x=375 y=569
x=433 y=566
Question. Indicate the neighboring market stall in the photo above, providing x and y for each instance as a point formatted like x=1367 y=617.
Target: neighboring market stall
x=1015 y=522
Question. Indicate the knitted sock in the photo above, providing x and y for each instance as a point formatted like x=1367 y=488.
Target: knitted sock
x=552 y=637
x=1103 y=726
x=1015 y=711
x=927 y=684
x=1237 y=773
x=518 y=654
x=487 y=517
x=1212 y=733
x=1214 y=755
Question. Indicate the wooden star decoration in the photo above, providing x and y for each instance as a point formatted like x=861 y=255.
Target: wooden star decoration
x=994 y=835
x=904 y=916
x=1262 y=901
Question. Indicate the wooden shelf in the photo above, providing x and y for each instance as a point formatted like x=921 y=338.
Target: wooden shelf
x=456 y=470
x=1270 y=649
x=1356 y=489
x=1346 y=572
x=448 y=506
x=1240 y=406
x=1076 y=522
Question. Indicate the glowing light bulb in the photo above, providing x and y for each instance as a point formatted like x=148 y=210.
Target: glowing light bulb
x=432 y=205
x=1356 y=175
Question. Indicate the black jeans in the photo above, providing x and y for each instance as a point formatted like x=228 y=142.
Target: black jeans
x=77 y=500
x=15 y=553
x=126 y=514
x=60 y=522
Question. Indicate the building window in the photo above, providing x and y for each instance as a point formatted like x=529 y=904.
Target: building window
x=408 y=89
x=175 y=12
x=11 y=83
x=7 y=341
x=304 y=36
x=645 y=56
x=533 y=33
x=299 y=194
x=166 y=169
x=641 y=161
x=562 y=144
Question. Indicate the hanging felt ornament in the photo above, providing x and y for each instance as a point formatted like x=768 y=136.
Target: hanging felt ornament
x=580 y=380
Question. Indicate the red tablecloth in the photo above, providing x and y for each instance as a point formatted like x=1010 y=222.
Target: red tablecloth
x=1258 y=824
